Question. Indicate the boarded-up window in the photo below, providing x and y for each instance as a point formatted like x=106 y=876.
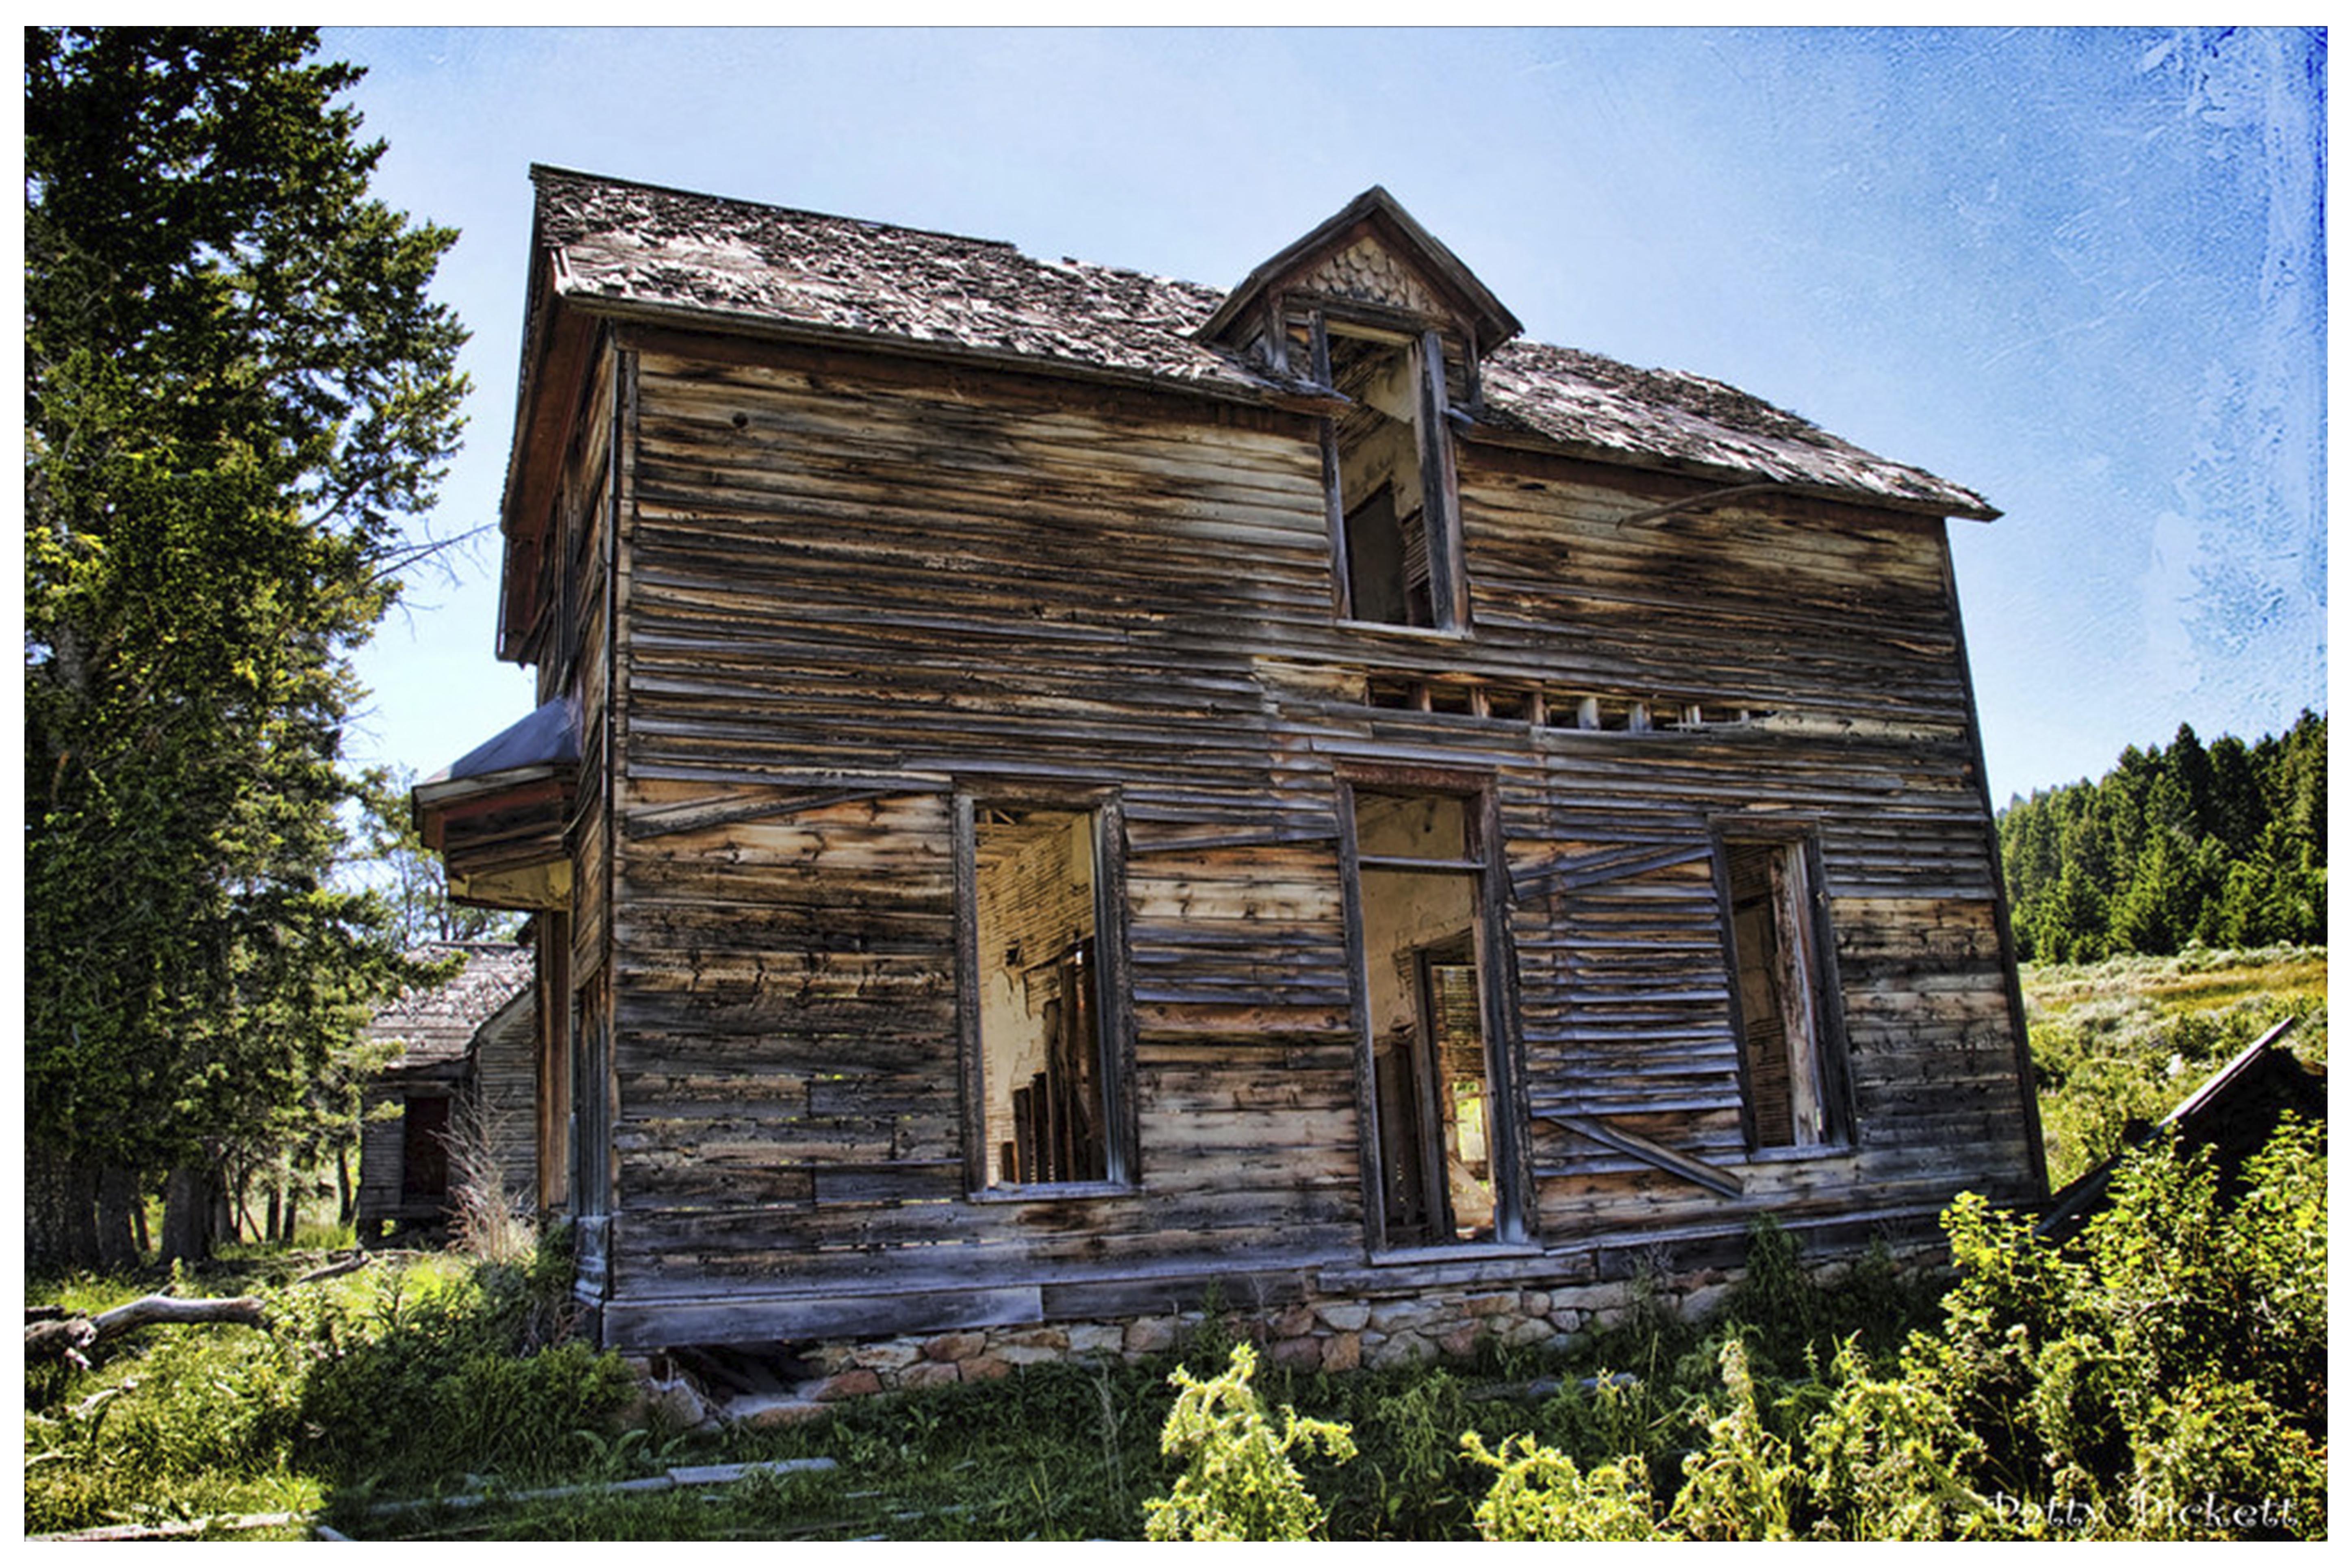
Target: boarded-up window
x=1784 y=1044
x=1043 y=1040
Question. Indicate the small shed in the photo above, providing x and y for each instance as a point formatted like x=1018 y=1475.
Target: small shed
x=2233 y=1113
x=465 y=1060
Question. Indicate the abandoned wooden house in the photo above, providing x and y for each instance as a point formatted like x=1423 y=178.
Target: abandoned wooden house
x=467 y=1066
x=1059 y=789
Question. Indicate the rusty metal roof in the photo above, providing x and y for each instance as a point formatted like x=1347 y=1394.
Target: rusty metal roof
x=622 y=246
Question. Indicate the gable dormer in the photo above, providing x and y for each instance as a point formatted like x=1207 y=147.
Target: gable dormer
x=1372 y=264
x=1374 y=311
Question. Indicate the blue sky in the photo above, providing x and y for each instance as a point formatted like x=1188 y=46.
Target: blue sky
x=2079 y=271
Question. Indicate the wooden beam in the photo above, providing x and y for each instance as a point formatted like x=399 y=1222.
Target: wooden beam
x=1712 y=1178
x=719 y=811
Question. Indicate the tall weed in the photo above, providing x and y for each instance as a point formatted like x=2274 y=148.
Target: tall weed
x=1540 y=1494
x=1239 y=1483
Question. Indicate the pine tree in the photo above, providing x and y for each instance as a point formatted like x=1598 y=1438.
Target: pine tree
x=2223 y=844
x=236 y=390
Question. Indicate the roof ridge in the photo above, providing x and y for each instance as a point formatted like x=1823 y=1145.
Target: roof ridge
x=632 y=244
x=658 y=189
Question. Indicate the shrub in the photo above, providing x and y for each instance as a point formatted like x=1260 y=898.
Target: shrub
x=1540 y=1494
x=450 y=1376
x=1741 y=1486
x=2163 y=1374
x=1889 y=1459
x=1238 y=1482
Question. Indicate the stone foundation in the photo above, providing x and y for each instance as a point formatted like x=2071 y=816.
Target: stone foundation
x=1332 y=1336
x=1328 y=1334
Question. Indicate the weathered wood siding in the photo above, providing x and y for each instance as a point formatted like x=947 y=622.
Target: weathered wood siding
x=577 y=655
x=505 y=1084
x=851 y=588
x=378 y=1201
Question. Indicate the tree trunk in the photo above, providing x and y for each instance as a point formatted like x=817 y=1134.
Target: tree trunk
x=61 y=1211
x=276 y=1203
x=118 y=1199
x=223 y=1224
x=344 y=1207
x=190 y=1197
x=52 y=1338
x=236 y=1216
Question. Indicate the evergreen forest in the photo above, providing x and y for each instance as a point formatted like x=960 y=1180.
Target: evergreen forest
x=2219 y=846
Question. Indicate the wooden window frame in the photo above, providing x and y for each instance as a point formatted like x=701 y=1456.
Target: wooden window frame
x=1114 y=988
x=1425 y=346
x=1817 y=966
x=553 y=1111
x=1509 y=1149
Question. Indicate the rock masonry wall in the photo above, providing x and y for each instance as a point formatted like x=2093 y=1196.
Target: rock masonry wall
x=1330 y=1334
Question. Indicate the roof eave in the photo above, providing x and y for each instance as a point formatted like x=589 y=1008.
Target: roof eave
x=1956 y=504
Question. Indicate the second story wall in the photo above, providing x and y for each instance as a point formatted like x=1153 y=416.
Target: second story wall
x=859 y=597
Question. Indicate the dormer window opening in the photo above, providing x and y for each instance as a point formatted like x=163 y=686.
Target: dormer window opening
x=1396 y=539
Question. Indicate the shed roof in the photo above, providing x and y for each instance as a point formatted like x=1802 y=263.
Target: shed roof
x=619 y=247
x=2233 y=1112
x=547 y=737
x=435 y=1023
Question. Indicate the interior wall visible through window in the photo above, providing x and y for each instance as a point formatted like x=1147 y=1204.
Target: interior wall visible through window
x=1039 y=997
x=1390 y=524
x=1782 y=1049
x=1419 y=897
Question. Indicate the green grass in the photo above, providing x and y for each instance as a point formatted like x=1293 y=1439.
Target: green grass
x=424 y=1376
x=402 y=1382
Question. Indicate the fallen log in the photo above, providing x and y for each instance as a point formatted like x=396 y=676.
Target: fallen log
x=181 y=1528
x=55 y=1339
x=351 y=1265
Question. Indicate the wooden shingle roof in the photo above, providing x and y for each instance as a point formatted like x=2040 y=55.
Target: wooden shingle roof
x=433 y=1024
x=618 y=248
x=624 y=244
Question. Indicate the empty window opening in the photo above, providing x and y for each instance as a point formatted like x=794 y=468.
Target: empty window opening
x=1509 y=702
x=1419 y=885
x=1781 y=1048
x=1562 y=711
x=1679 y=716
x=1515 y=705
x=1397 y=541
x=1041 y=1031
